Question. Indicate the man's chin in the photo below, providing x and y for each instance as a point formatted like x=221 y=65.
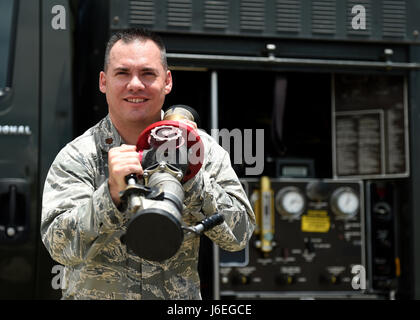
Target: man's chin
x=143 y=117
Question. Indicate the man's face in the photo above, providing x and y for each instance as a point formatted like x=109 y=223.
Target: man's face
x=135 y=82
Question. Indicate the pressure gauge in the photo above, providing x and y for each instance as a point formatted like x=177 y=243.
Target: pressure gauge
x=345 y=202
x=290 y=202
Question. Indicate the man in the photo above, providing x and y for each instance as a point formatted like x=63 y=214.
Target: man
x=81 y=222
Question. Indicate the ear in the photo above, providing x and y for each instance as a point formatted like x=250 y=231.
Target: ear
x=102 y=82
x=168 y=82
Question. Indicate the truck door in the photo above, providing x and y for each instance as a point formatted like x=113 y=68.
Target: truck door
x=19 y=134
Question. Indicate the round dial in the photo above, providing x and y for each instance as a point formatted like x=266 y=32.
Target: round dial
x=345 y=202
x=290 y=202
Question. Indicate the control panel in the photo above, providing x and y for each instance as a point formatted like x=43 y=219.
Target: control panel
x=382 y=224
x=309 y=241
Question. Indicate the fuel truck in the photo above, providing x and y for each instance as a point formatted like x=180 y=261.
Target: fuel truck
x=317 y=102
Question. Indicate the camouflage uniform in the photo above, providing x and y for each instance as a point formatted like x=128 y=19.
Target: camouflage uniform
x=81 y=227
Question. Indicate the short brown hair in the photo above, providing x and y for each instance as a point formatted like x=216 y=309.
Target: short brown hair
x=132 y=34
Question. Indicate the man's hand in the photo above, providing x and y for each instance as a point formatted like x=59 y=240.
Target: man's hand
x=122 y=161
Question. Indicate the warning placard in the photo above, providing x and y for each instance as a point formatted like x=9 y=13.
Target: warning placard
x=316 y=221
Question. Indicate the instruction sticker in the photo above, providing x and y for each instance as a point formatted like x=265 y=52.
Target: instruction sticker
x=316 y=221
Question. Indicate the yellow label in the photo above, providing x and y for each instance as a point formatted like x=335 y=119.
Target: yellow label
x=315 y=221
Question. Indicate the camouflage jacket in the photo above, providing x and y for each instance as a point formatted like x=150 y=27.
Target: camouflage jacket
x=81 y=227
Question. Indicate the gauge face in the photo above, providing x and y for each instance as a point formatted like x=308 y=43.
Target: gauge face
x=290 y=202
x=345 y=202
x=348 y=202
x=293 y=202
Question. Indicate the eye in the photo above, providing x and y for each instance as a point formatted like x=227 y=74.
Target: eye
x=149 y=73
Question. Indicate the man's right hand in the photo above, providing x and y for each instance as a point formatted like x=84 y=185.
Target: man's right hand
x=122 y=161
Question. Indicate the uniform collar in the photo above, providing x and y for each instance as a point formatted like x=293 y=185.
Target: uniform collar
x=107 y=135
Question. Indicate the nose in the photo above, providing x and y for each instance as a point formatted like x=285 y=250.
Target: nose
x=135 y=84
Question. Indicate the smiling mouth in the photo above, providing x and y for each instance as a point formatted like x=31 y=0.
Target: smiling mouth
x=136 y=100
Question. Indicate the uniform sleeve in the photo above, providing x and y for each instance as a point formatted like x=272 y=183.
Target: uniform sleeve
x=217 y=189
x=76 y=218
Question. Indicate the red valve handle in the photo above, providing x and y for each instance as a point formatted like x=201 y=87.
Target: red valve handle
x=192 y=139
